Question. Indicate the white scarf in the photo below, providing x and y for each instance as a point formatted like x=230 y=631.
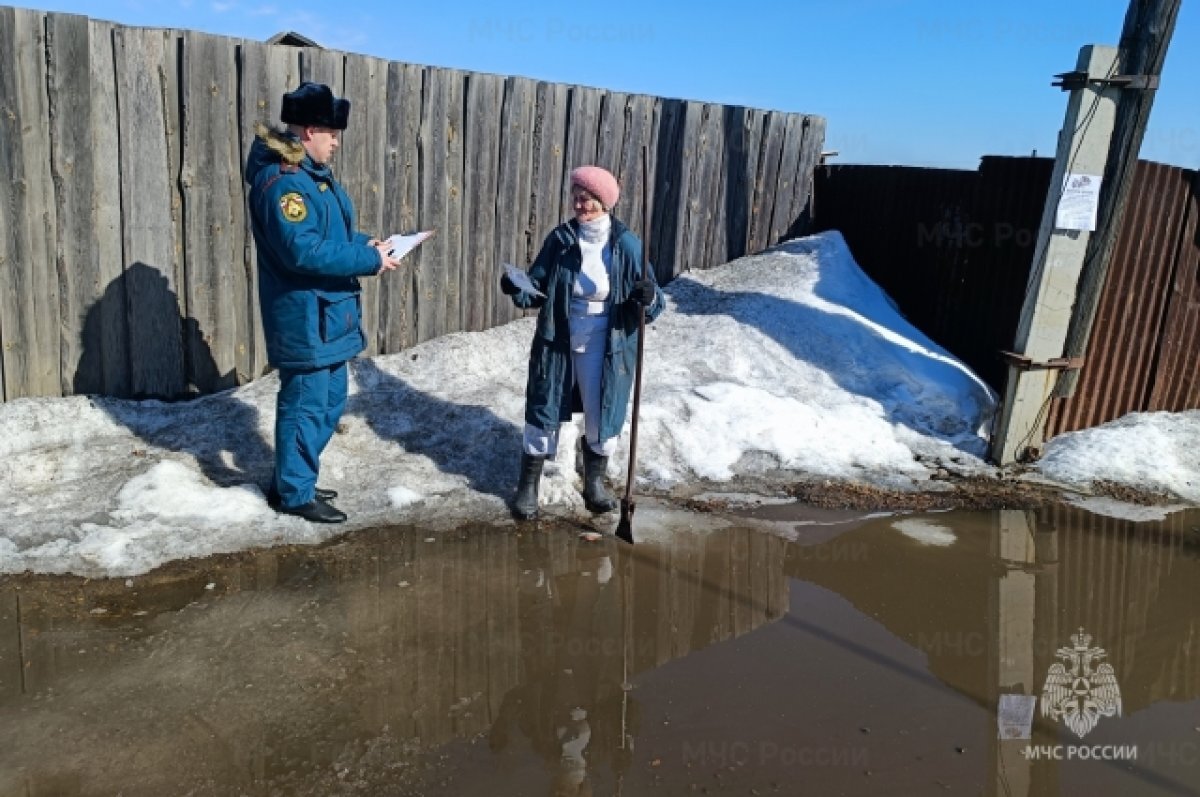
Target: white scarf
x=591 y=286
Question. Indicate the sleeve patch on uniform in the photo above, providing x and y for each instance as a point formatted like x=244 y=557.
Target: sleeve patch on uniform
x=292 y=206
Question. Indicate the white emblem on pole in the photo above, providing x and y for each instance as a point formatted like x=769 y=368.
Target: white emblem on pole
x=1084 y=690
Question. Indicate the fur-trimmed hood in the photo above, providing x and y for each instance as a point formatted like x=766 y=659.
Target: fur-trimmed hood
x=273 y=146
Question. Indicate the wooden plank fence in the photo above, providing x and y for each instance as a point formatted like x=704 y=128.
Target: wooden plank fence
x=29 y=285
x=126 y=263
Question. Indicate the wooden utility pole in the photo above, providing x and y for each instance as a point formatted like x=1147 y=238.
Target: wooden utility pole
x=1149 y=25
x=1036 y=360
x=1047 y=357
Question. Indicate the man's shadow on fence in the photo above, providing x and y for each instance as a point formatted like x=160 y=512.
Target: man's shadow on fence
x=846 y=349
x=134 y=339
x=464 y=439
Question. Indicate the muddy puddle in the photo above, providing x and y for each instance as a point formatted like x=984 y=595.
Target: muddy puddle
x=779 y=651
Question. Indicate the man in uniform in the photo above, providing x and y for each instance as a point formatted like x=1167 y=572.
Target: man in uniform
x=310 y=256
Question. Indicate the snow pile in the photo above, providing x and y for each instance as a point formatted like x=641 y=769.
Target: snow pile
x=1158 y=452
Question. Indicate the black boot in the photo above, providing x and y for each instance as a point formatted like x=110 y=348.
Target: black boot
x=315 y=511
x=525 y=502
x=596 y=497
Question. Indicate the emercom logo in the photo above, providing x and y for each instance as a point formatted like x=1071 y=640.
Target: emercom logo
x=1081 y=688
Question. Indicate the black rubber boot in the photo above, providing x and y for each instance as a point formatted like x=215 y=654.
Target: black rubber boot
x=525 y=502
x=596 y=496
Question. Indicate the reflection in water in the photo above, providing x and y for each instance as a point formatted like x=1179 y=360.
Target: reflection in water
x=854 y=659
x=573 y=697
x=995 y=623
x=588 y=629
x=292 y=670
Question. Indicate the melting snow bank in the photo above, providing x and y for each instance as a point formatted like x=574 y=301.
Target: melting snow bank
x=789 y=362
x=795 y=360
x=1157 y=453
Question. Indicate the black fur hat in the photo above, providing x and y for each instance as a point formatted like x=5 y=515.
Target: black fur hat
x=313 y=105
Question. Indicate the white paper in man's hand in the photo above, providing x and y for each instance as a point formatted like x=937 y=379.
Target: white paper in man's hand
x=520 y=279
x=403 y=244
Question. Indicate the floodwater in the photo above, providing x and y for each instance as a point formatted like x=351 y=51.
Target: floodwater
x=780 y=651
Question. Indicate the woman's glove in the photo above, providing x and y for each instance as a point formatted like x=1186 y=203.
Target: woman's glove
x=507 y=286
x=643 y=292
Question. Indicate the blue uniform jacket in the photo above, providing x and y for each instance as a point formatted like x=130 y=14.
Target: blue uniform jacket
x=551 y=378
x=309 y=256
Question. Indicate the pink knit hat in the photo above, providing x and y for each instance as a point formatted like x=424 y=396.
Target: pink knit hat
x=598 y=182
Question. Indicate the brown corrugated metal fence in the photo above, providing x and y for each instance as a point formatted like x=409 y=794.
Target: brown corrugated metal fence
x=1151 y=282
x=953 y=249
x=1177 y=382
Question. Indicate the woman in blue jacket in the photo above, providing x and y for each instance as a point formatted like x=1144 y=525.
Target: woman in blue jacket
x=310 y=257
x=590 y=272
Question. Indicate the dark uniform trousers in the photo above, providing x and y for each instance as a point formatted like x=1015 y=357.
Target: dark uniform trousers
x=307 y=411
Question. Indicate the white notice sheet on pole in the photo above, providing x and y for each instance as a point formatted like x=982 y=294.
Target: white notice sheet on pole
x=1079 y=202
x=1015 y=716
x=521 y=279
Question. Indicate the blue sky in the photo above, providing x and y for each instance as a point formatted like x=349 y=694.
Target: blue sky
x=908 y=82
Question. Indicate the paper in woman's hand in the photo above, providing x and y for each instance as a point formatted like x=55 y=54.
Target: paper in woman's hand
x=520 y=279
x=403 y=244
